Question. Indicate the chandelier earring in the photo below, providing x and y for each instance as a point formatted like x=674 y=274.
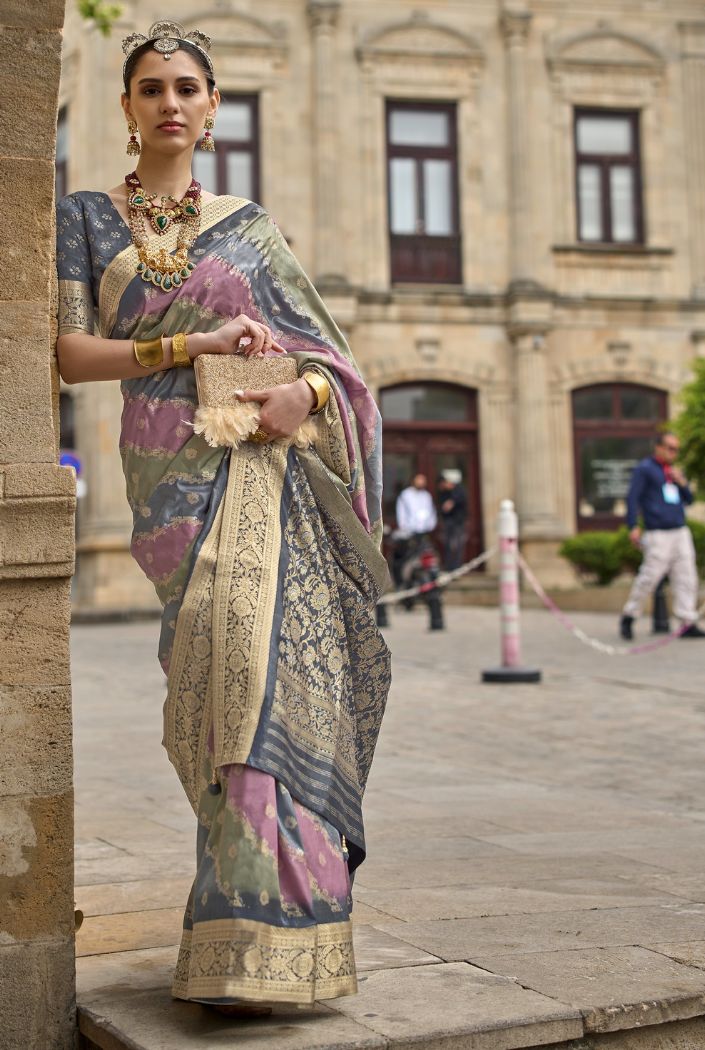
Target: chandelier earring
x=133 y=146
x=207 y=142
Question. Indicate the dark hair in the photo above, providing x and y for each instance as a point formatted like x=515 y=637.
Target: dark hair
x=184 y=45
x=661 y=435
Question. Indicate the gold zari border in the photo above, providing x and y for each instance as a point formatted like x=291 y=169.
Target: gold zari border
x=75 y=307
x=246 y=959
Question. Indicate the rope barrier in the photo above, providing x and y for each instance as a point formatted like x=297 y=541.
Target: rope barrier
x=442 y=580
x=512 y=557
x=586 y=639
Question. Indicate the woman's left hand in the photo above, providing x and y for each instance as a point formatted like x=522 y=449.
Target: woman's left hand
x=284 y=408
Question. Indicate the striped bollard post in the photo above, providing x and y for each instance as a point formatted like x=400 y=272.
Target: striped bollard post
x=511 y=669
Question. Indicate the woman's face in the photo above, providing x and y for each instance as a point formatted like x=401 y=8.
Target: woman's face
x=169 y=101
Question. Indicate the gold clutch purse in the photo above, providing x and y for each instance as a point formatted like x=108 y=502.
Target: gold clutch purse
x=224 y=420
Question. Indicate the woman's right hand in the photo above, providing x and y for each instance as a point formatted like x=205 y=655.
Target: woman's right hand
x=228 y=339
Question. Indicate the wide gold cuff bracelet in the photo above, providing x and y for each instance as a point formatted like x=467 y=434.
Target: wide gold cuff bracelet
x=179 y=351
x=148 y=352
x=321 y=388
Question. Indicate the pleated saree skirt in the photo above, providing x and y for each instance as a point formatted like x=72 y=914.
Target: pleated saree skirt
x=268 y=918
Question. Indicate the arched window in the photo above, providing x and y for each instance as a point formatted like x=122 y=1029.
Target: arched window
x=429 y=428
x=613 y=428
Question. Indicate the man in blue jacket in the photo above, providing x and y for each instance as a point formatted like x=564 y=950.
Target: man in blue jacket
x=659 y=492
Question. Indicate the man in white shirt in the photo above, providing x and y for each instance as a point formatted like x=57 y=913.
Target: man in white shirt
x=416 y=514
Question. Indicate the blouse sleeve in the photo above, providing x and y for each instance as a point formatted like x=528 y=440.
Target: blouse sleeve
x=73 y=263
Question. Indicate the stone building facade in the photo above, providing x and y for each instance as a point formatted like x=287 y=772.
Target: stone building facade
x=503 y=203
x=36 y=559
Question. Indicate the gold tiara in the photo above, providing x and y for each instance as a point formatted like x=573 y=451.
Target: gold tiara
x=167 y=37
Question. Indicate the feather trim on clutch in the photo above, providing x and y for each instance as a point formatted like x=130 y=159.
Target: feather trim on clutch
x=224 y=420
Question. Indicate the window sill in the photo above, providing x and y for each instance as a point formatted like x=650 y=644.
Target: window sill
x=581 y=248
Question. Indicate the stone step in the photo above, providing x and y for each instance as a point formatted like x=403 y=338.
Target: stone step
x=150 y=1021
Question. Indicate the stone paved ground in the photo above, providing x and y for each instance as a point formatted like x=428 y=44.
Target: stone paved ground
x=536 y=853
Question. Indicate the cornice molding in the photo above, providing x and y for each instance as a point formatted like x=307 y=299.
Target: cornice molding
x=441 y=41
x=632 y=54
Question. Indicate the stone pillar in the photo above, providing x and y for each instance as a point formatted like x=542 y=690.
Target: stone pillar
x=693 y=53
x=536 y=461
x=516 y=23
x=36 y=560
x=329 y=264
x=536 y=475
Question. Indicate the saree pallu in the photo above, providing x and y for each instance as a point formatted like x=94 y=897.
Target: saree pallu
x=267 y=564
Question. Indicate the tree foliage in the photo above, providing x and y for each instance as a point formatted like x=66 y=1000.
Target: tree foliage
x=689 y=425
x=102 y=15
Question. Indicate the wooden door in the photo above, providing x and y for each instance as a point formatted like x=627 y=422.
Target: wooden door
x=414 y=445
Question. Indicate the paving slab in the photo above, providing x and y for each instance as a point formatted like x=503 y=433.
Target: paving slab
x=152 y=1020
x=614 y=988
x=119 y=933
x=691 y=953
x=503 y=824
x=141 y=895
x=382 y=871
x=460 y=902
x=685 y=859
x=623 y=839
x=458 y=1005
x=554 y=931
x=690 y=887
x=376 y=949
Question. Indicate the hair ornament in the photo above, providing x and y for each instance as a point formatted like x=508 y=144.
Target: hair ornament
x=167 y=37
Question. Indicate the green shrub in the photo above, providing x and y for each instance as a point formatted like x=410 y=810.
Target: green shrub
x=601 y=557
x=698 y=530
x=689 y=425
x=597 y=555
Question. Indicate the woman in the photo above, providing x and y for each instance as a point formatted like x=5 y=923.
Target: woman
x=265 y=558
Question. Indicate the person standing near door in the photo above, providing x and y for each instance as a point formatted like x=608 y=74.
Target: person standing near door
x=659 y=491
x=416 y=514
x=416 y=518
x=453 y=506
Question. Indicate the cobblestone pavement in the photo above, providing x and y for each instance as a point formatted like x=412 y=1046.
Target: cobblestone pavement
x=536 y=859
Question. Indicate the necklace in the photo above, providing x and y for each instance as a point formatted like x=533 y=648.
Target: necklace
x=156 y=265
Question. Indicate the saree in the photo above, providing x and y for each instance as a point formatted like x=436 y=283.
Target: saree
x=267 y=564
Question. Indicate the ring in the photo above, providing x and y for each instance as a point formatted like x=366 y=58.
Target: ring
x=259 y=436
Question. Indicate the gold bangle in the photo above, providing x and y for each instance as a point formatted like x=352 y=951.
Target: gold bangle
x=179 y=351
x=148 y=352
x=321 y=388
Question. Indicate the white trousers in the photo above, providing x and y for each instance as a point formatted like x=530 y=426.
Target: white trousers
x=667 y=552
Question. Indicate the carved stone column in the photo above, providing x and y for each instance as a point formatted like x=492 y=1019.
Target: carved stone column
x=538 y=461
x=329 y=266
x=516 y=23
x=535 y=468
x=37 y=987
x=693 y=54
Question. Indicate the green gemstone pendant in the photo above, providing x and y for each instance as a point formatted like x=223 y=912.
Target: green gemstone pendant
x=176 y=280
x=166 y=282
x=140 y=267
x=147 y=275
